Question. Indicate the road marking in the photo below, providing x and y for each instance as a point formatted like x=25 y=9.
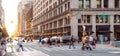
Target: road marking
x=9 y=49
x=47 y=49
x=26 y=49
x=32 y=49
x=115 y=52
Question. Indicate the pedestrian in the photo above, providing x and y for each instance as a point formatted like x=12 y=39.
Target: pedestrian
x=40 y=41
x=3 y=43
x=61 y=40
x=20 y=41
x=87 y=43
x=83 y=42
x=71 y=42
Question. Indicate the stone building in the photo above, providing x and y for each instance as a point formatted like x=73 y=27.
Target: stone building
x=99 y=16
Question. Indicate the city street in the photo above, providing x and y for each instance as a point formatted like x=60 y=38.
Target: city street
x=33 y=49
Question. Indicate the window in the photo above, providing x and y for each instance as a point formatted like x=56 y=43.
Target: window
x=50 y=25
x=87 y=3
x=99 y=4
x=61 y=9
x=105 y=3
x=88 y=18
x=67 y=21
x=55 y=24
x=61 y=22
x=68 y=5
x=117 y=19
x=79 y=20
x=50 y=14
x=116 y=3
x=65 y=6
x=81 y=4
x=46 y=4
x=102 y=18
x=59 y=1
x=50 y=1
x=85 y=19
x=50 y=7
x=55 y=12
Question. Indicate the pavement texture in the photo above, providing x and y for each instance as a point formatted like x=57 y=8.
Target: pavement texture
x=34 y=49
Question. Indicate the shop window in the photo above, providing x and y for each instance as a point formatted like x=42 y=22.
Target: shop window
x=102 y=18
x=79 y=20
x=117 y=19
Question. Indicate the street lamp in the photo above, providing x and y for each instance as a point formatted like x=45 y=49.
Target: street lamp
x=83 y=26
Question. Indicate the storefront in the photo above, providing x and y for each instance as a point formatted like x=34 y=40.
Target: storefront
x=117 y=32
x=103 y=31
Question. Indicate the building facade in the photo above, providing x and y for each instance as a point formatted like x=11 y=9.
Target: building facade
x=69 y=16
x=2 y=14
x=22 y=11
x=29 y=19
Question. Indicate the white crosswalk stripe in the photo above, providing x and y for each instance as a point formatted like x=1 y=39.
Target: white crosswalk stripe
x=56 y=49
x=28 y=51
x=47 y=49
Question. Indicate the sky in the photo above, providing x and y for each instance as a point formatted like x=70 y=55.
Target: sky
x=10 y=8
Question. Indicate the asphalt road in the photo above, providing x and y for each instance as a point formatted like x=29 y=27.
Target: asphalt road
x=33 y=49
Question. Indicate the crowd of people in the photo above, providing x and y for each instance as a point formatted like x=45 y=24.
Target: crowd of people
x=88 y=41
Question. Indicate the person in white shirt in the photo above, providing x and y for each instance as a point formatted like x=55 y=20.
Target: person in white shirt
x=20 y=41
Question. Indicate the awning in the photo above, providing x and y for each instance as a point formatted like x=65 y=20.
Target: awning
x=103 y=16
x=105 y=31
x=88 y=31
x=118 y=31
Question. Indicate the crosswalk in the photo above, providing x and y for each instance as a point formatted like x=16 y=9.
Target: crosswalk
x=28 y=51
x=65 y=48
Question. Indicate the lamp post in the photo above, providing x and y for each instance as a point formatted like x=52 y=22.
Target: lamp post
x=83 y=26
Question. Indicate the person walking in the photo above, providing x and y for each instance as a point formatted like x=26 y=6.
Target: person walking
x=3 y=44
x=71 y=42
x=20 y=41
x=40 y=41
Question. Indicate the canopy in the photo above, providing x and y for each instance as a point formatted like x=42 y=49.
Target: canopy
x=103 y=16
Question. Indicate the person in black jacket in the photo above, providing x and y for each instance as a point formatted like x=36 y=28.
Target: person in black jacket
x=71 y=42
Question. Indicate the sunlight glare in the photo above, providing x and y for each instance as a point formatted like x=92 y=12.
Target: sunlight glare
x=10 y=8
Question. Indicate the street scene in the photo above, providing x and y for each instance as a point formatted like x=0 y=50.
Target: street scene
x=34 y=49
x=59 y=27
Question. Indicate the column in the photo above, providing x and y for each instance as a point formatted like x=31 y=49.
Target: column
x=112 y=29
x=63 y=24
x=111 y=3
x=57 y=25
x=74 y=26
x=93 y=21
x=84 y=2
x=119 y=3
x=102 y=1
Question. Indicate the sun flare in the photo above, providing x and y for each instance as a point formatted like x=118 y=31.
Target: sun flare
x=10 y=9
